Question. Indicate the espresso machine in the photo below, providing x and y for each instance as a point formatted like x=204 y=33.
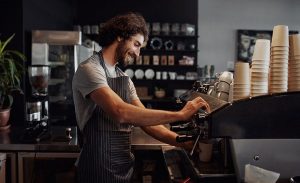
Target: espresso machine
x=37 y=107
x=262 y=131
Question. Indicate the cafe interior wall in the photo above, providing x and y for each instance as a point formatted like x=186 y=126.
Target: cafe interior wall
x=22 y=16
x=11 y=22
x=19 y=17
x=218 y=21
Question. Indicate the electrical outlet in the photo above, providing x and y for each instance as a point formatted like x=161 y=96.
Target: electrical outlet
x=230 y=65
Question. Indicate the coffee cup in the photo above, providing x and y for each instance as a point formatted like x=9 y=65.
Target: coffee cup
x=205 y=151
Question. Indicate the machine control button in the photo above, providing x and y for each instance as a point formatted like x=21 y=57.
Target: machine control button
x=256 y=158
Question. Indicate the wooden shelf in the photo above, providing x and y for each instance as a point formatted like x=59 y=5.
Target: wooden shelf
x=163 y=80
x=174 y=36
x=150 y=36
x=167 y=51
x=168 y=67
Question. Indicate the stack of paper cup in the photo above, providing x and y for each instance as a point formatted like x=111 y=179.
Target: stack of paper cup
x=278 y=81
x=260 y=67
x=294 y=63
x=241 y=86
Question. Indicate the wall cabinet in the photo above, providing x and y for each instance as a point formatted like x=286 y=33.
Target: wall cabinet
x=8 y=169
x=50 y=167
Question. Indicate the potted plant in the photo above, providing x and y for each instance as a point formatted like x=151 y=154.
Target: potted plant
x=11 y=71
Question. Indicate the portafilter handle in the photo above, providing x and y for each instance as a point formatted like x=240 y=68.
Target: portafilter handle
x=184 y=138
x=182 y=127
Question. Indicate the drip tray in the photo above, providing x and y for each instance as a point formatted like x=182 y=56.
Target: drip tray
x=182 y=167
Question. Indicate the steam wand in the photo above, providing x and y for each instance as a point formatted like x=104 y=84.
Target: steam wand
x=196 y=142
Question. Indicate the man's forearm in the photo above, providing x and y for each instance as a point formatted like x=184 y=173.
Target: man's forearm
x=146 y=117
x=163 y=134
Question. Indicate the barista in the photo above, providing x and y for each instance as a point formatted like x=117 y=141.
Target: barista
x=107 y=105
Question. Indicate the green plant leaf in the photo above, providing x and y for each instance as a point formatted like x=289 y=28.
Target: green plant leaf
x=11 y=70
x=5 y=43
x=18 y=54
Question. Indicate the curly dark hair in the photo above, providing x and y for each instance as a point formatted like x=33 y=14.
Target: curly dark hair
x=124 y=26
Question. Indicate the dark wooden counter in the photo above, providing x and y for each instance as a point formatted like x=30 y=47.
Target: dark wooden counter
x=11 y=140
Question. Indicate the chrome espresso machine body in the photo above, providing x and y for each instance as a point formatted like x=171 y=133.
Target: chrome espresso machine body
x=262 y=131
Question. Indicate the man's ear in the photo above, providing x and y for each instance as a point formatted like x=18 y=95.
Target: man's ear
x=119 y=39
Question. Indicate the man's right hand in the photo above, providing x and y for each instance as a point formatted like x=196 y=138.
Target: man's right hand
x=192 y=107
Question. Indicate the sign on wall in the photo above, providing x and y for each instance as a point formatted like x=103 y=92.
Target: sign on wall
x=246 y=42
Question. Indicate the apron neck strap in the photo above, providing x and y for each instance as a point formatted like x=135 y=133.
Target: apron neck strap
x=102 y=63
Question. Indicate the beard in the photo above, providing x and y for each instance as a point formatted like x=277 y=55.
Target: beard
x=124 y=55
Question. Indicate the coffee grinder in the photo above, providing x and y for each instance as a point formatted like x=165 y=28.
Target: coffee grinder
x=37 y=111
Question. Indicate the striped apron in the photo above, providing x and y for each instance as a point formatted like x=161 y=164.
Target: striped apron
x=106 y=153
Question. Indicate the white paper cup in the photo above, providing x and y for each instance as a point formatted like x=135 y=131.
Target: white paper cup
x=293 y=78
x=278 y=73
x=264 y=70
x=293 y=89
x=279 y=78
x=254 y=80
x=279 y=60
x=259 y=74
x=294 y=41
x=279 y=65
x=280 y=56
x=237 y=85
x=294 y=74
x=259 y=66
x=294 y=61
x=205 y=151
x=294 y=65
x=254 y=94
x=242 y=73
x=280 y=36
x=294 y=82
x=280 y=48
x=279 y=52
x=278 y=69
x=261 y=62
x=241 y=90
x=261 y=49
x=259 y=90
x=294 y=69
x=294 y=57
x=240 y=95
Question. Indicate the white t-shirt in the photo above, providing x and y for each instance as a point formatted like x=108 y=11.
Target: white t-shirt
x=89 y=76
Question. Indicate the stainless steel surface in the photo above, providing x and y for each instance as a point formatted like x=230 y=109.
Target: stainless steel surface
x=213 y=102
x=178 y=160
x=263 y=131
x=141 y=140
x=39 y=53
x=278 y=155
x=62 y=52
x=195 y=144
x=56 y=37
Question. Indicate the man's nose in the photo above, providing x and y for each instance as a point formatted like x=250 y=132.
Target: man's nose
x=137 y=52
